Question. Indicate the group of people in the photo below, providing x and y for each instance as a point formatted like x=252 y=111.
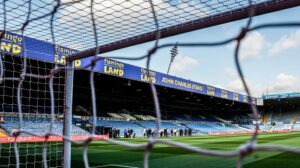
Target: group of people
x=167 y=132
x=181 y=132
x=129 y=133
x=115 y=133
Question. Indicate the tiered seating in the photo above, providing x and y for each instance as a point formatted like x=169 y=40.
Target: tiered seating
x=232 y=128
x=202 y=128
x=280 y=126
x=296 y=127
x=127 y=116
x=144 y=117
x=37 y=126
x=115 y=115
x=164 y=124
x=205 y=119
x=122 y=125
x=213 y=128
x=265 y=127
x=248 y=126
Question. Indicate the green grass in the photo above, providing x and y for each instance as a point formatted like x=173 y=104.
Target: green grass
x=162 y=156
x=102 y=153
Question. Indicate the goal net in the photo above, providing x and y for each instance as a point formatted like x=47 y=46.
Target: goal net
x=30 y=154
x=44 y=42
x=36 y=113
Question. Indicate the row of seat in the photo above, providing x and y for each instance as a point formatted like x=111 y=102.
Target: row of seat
x=37 y=126
x=40 y=126
x=140 y=126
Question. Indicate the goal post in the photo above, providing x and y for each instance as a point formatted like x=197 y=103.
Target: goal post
x=36 y=114
x=33 y=105
x=68 y=113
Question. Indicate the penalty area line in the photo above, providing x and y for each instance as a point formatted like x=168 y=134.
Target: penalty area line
x=115 y=165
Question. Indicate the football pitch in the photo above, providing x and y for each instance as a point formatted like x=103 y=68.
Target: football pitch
x=102 y=154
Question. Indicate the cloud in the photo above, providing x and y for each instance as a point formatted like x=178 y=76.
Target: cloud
x=286 y=42
x=251 y=46
x=182 y=65
x=282 y=83
x=230 y=72
x=285 y=83
x=236 y=85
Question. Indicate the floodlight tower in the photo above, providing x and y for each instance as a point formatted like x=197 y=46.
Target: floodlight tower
x=174 y=53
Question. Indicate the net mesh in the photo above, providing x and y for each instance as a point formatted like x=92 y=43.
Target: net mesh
x=35 y=91
x=88 y=24
x=115 y=19
x=36 y=110
x=31 y=154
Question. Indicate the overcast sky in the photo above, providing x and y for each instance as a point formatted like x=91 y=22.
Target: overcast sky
x=270 y=58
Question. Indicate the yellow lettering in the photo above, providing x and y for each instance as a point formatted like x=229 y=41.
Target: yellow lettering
x=167 y=80
x=113 y=71
x=62 y=60
x=146 y=78
x=197 y=87
x=77 y=63
x=16 y=49
x=5 y=47
x=11 y=48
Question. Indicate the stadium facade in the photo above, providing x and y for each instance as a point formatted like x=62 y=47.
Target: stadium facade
x=124 y=99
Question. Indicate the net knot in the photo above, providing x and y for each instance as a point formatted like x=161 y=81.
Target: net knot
x=93 y=62
x=88 y=140
x=242 y=34
x=152 y=51
x=22 y=76
x=150 y=144
x=16 y=133
x=246 y=149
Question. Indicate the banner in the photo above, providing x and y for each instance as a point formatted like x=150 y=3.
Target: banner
x=11 y=139
x=45 y=51
x=281 y=96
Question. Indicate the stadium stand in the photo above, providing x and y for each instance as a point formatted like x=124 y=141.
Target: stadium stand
x=121 y=125
x=128 y=117
x=296 y=126
x=2 y=133
x=144 y=117
x=37 y=126
x=115 y=115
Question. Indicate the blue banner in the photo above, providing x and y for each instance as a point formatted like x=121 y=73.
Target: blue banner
x=45 y=51
x=281 y=96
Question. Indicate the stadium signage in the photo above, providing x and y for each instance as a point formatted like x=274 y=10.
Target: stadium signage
x=61 y=53
x=148 y=76
x=45 y=51
x=180 y=83
x=112 y=67
x=210 y=91
x=281 y=96
x=10 y=139
x=11 y=43
x=224 y=94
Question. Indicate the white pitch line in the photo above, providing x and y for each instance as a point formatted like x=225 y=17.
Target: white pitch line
x=115 y=165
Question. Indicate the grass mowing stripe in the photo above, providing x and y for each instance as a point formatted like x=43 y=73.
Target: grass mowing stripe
x=102 y=153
